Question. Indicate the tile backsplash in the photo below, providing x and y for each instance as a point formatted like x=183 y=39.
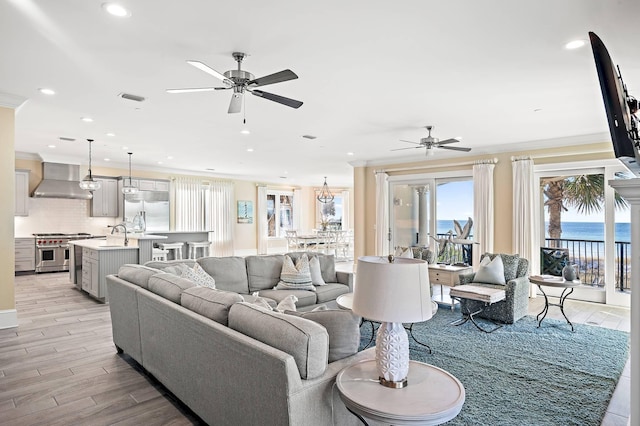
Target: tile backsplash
x=60 y=215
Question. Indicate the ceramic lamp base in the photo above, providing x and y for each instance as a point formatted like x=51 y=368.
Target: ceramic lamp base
x=392 y=355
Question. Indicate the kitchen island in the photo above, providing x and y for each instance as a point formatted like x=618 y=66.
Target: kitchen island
x=90 y=261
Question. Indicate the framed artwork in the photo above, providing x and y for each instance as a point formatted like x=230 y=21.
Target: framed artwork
x=245 y=211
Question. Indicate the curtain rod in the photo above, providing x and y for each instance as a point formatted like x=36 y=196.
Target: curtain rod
x=434 y=166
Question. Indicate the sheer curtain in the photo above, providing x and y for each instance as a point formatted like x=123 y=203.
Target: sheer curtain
x=297 y=209
x=483 y=207
x=345 y=210
x=525 y=225
x=382 y=213
x=261 y=219
x=221 y=216
x=189 y=204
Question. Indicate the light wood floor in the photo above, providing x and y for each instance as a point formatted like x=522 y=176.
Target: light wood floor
x=60 y=367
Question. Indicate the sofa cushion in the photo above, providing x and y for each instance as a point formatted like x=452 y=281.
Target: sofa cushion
x=162 y=264
x=137 y=274
x=327 y=264
x=329 y=292
x=169 y=286
x=295 y=277
x=230 y=273
x=343 y=328
x=263 y=272
x=209 y=302
x=199 y=276
x=306 y=341
x=490 y=271
x=305 y=297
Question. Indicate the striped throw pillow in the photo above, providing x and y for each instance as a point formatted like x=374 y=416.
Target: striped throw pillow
x=295 y=277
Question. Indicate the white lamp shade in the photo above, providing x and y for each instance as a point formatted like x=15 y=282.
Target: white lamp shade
x=392 y=292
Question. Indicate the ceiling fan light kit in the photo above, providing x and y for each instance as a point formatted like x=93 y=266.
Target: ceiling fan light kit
x=240 y=81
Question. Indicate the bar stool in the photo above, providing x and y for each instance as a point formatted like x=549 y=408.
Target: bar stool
x=159 y=254
x=175 y=247
x=195 y=245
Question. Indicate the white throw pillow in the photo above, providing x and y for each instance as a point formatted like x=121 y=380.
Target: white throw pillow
x=490 y=271
x=316 y=272
x=287 y=304
x=199 y=276
x=295 y=277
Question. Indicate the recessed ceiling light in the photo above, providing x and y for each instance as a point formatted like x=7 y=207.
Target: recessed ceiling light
x=51 y=146
x=46 y=91
x=575 y=44
x=350 y=153
x=249 y=149
x=125 y=148
x=111 y=134
x=87 y=119
x=107 y=159
x=169 y=158
x=245 y=132
x=160 y=162
x=116 y=10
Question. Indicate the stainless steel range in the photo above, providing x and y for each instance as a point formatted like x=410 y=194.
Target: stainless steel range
x=52 y=251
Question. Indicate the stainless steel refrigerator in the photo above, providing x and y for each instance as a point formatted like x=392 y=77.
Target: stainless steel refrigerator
x=152 y=205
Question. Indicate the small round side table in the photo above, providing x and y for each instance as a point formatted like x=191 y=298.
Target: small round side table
x=432 y=396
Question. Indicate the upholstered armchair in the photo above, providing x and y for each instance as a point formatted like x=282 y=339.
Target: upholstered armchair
x=516 y=302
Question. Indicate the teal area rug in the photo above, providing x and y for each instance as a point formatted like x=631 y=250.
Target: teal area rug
x=521 y=374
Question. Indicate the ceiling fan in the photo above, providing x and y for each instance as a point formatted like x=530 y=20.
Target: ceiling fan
x=241 y=81
x=430 y=142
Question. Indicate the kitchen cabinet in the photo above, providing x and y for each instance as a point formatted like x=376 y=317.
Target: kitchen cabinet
x=152 y=185
x=105 y=200
x=22 y=193
x=25 y=255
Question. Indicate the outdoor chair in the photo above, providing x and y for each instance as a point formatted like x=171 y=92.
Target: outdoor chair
x=516 y=302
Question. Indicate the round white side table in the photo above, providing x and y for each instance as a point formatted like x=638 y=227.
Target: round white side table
x=432 y=396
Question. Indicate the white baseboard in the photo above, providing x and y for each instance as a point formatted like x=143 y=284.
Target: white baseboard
x=8 y=318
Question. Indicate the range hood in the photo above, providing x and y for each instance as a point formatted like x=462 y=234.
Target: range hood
x=61 y=181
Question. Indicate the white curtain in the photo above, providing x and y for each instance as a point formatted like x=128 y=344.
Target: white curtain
x=345 y=210
x=189 y=204
x=483 y=207
x=525 y=226
x=221 y=216
x=297 y=209
x=382 y=214
x=261 y=220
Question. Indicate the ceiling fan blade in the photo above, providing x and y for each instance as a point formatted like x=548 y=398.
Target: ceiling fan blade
x=401 y=149
x=194 y=89
x=277 y=98
x=273 y=78
x=206 y=68
x=447 y=141
x=415 y=143
x=455 y=148
x=236 y=103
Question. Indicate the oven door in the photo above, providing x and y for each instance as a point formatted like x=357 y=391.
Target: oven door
x=51 y=259
x=64 y=254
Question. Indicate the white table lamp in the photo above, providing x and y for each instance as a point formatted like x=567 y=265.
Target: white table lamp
x=392 y=292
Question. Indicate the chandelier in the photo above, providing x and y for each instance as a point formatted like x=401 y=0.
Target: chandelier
x=130 y=188
x=88 y=183
x=325 y=195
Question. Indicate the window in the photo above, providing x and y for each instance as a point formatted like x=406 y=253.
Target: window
x=279 y=213
x=330 y=214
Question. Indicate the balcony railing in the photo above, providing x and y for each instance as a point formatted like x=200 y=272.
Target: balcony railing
x=589 y=256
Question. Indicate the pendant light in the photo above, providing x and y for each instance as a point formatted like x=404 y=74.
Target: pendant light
x=130 y=188
x=325 y=195
x=88 y=183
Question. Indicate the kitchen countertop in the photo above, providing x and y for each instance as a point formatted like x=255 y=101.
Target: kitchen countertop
x=100 y=245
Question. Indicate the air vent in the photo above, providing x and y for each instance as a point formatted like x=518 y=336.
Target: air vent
x=309 y=136
x=62 y=138
x=131 y=97
x=209 y=169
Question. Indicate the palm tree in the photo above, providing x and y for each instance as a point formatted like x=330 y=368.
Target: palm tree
x=585 y=193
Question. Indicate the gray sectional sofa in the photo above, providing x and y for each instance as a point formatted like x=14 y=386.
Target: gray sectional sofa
x=232 y=362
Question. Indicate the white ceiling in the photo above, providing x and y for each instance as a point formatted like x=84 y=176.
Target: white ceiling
x=370 y=73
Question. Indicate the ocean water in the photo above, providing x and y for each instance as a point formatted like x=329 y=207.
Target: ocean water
x=593 y=231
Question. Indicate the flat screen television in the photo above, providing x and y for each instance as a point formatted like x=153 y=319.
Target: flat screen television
x=620 y=108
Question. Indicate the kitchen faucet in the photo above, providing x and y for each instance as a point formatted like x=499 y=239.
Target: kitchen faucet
x=126 y=239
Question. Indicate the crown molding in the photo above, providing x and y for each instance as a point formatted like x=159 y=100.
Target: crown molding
x=9 y=100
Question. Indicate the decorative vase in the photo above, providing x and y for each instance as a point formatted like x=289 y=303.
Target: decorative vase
x=569 y=272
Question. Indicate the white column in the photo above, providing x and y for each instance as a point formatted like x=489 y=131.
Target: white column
x=630 y=190
x=423 y=215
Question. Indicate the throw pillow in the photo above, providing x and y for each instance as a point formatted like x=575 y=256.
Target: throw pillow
x=261 y=302
x=490 y=271
x=343 y=328
x=199 y=276
x=287 y=304
x=295 y=277
x=316 y=272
